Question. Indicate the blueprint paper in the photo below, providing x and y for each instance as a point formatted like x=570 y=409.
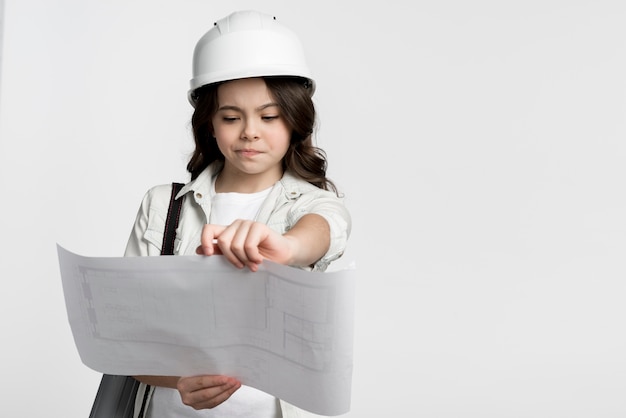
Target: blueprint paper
x=282 y=330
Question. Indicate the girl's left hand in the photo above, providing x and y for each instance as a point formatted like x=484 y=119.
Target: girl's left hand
x=246 y=243
x=206 y=392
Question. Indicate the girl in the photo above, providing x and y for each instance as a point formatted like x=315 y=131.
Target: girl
x=258 y=190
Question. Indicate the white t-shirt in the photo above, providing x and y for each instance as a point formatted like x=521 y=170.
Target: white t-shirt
x=246 y=401
x=226 y=207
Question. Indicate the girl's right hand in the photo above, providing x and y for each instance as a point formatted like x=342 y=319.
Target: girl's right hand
x=207 y=391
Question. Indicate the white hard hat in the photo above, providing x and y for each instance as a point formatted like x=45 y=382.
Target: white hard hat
x=247 y=44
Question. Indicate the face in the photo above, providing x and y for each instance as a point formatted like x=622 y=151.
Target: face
x=251 y=133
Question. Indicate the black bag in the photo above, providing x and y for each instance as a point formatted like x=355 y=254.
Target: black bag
x=116 y=394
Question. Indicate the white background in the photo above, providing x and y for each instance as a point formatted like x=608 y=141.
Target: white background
x=480 y=145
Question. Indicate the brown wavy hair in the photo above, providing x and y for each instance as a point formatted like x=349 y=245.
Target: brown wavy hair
x=294 y=100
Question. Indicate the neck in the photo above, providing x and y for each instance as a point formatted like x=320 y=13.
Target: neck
x=228 y=182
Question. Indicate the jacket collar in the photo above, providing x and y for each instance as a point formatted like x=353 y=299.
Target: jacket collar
x=201 y=185
x=292 y=186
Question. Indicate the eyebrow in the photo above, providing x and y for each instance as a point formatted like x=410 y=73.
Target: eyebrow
x=238 y=109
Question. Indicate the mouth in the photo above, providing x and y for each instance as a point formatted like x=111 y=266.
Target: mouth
x=248 y=152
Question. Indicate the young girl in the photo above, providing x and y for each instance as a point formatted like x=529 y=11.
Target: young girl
x=258 y=190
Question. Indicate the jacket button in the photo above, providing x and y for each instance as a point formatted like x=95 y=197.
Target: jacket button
x=199 y=195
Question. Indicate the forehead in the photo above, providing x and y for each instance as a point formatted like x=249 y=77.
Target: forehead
x=244 y=90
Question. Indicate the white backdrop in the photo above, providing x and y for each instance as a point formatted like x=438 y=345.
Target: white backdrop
x=480 y=145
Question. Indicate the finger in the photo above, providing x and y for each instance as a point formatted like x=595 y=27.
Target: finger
x=209 y=233
x=216 y=249
x=241 y=242
x=194 y=383
x=201 y=392
x=227 y=241
x=219 y=398
x=257 y=235
x=248 y=241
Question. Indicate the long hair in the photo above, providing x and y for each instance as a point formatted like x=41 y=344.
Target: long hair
x=296 y=106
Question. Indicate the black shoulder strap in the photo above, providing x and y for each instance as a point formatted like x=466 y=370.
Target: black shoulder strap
x=116 y=394
x=169 y=235
x=171 y=223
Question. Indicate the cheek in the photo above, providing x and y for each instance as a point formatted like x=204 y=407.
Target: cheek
x=284 y=145
x=221 y=131
x=279 y=138
x=284 y=134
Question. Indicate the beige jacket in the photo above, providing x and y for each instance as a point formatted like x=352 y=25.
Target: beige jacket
x=288 y=201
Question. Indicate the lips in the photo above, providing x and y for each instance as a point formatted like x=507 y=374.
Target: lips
x=248 y=152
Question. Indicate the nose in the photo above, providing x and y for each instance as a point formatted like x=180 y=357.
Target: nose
x=250 y=130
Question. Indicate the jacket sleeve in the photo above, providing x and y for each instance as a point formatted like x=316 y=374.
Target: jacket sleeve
x=336 y=214
x=146 y=236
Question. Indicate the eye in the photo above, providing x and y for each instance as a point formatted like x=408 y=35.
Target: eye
x=230 y=118
x=269 y=117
